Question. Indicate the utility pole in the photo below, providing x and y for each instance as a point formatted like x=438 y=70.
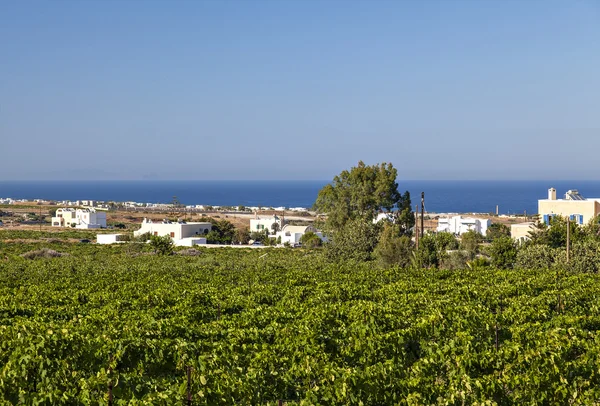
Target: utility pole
x=422 y=213
x=417 y=225
x=568 y=237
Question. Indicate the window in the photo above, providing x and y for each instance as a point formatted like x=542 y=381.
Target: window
x=172 y=235
x=577 y=218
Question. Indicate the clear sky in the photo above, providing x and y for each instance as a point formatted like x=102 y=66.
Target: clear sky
x=286 y=89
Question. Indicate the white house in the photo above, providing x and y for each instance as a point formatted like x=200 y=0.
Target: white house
x=110 y=238
x=190 y=241
x=293 y=234
x=260 y=224
x=177 y=231
x=460 y=225
x=520 y=232
x=81 y=218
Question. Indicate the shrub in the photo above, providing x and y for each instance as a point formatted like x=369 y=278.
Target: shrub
x=393 y=249
x=503 y=252
x=310 y=240
x=356 y=240
x=43 y=253
x=189 y=252
x=534 y=256
x=162 y=245
x=455 y=260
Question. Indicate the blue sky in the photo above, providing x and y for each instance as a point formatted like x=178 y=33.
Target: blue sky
x=299 y=89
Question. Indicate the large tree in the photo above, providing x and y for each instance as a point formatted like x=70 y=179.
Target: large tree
x=361 y=193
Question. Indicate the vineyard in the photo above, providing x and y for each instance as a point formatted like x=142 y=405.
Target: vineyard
x=106 y=325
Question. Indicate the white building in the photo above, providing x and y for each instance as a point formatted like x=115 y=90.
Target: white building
x=110 y=238
x=384 y=217
x=459 y=225
x=259 y=224
x=190 y=241
x=79 y=218
x=520 y=232
x=292 y=234
x=177 y=231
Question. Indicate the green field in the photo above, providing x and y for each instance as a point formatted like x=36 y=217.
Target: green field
x=260 y=326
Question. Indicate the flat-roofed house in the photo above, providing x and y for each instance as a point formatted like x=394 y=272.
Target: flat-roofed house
x=460 y=225
x=574 y=206
x=176 y=230
x=79 y=218
x=259 y=224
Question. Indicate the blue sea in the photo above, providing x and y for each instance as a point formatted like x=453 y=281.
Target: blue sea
x=512 y=197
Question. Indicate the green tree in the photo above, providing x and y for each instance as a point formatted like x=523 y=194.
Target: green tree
x=554 y=235
x=469 y=242
x=584 y=257
x=275 y=227
x=503 y=252
x=162 y=245
x=354 y=241
x=310 y=240
x=433 y=249
x=242 y=236
x=591 y=231
x=359 y=194
x=404 y=216
x=445 y=241
x=393 y=248
x=427 y=256
x=497 y=230
x=262 y=236
x=222 y=232
x=455 y=260
x=535 y=256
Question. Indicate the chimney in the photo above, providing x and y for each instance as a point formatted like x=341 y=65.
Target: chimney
x=551 y=194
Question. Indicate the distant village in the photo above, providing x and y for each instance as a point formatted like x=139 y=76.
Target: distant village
x=90 y=214
x=147 y=206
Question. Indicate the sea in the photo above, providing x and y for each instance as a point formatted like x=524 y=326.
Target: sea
x=441 y=196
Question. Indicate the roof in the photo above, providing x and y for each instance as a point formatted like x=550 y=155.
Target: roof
x=297 y=229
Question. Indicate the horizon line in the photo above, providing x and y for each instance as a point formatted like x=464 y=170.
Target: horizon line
x=292 y=180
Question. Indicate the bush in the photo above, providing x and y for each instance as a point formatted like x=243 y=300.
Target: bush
x=503 y=252
x=392 y=248
x=310 y=240
x=143 y=237
x=584 y=257
x=427 y=256
x=469 y=242
x=534 y=256
x=189 y=252
x=455 y=260
x=162 y=245
x=43 y=253
x=355 y=241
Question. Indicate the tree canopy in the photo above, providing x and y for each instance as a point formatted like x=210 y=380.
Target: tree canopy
x=361 y=193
